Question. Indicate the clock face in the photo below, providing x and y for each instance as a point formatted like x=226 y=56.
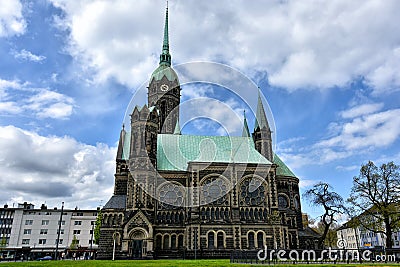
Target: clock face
x=164 y=87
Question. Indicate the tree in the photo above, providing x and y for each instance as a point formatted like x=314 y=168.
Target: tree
x=375 y=197
x=3 y=243
x=331 y=236
x=97 y=227
x=321 y=194
x=74 y=243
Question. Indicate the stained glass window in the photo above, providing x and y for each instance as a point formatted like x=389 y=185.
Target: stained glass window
x=252 y=192
x=282 y=202
x=171 y=195
x=214 y=190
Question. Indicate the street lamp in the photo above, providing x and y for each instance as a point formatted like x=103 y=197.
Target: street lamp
x=59 y=231
x=114 y=244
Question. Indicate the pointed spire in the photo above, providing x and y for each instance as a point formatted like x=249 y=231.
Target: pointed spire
x=121 y=143
x=177 y=130
x=261 y=118
x=245 y=132
x=165 y=57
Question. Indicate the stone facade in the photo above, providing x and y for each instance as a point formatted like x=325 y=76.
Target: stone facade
x=206 y=209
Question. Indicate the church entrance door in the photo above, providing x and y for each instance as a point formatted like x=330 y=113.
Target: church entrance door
x=136 y=249
x=137 y=244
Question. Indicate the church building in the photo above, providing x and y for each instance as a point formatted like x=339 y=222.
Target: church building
x=172 y=199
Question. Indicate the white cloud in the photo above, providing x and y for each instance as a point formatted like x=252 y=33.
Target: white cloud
x=10 y=108
x=304 y=183
x=50 y=104
x=360 y=110
x=364 y=129
x=301 y=44
x=348 y=168
x=52 y=169
x=386 y=77
x=4 y=85
x=379 y=129
x=9 y=84
x=11 y=19
x=27 y=55
x=42 y=103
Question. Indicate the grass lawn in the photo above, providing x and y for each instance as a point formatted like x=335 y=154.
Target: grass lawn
x=163 y=263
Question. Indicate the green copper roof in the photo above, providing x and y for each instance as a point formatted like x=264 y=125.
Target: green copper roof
x=166 y=71
x=261 y=118
x=245 y=132
x=282 y=169
x=175 y=151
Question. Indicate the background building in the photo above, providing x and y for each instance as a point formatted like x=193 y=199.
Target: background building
x=361 y=238
x=34 y=232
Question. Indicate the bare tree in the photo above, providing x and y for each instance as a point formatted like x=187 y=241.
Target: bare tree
x=322 y=195
x=331 y=236
x=375 y=198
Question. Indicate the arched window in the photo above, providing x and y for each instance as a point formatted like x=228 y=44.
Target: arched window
x=166 y=242
x=260 y=240
x=173 y=241
x=211 y=240
x=250 y=239
x=283 y=201
x=158 y=242
x=180 y=241
x=220 y=240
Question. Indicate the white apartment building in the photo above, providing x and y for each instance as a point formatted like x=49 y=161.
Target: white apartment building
x=25 y=229
x=350 y=235
x=360 y=238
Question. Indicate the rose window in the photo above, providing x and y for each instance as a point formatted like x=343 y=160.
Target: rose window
x=171 y=195
x=214 y=190
x=252 y=192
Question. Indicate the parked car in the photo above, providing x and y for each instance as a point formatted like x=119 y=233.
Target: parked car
x=45 y=258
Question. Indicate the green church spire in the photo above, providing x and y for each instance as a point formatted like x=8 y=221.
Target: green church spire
x=165 y=57
x=245 y=132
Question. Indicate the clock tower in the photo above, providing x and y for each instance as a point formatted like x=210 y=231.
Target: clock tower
x=164 y=89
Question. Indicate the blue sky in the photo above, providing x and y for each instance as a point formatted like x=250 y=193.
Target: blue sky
x=68 y=70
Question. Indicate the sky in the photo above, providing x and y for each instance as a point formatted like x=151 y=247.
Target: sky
x=329 y=71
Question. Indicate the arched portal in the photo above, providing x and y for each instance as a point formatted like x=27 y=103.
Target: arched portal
x=137 y=243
